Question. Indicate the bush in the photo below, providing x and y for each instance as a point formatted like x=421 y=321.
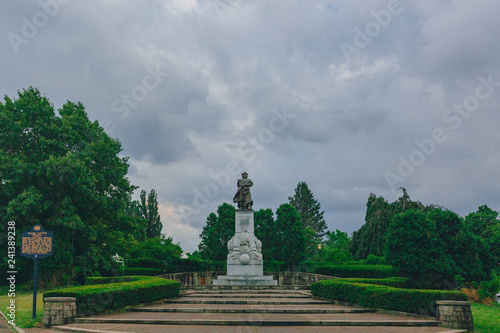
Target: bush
x=362 y=271
x=144 y=271
x=115 y=279
x=396 y=282
x=421 y=302
x=374 y=260
x=99 y=298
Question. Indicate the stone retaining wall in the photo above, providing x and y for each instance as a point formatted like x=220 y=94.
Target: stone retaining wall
x=455 y=314
x=59 y=310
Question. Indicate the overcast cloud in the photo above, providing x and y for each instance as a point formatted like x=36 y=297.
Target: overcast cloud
x=352 y=97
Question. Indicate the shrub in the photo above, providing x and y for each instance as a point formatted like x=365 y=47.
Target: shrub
x=98 y=298
x=374 y=260
x=115 y=279
x=144 y=271
x=396 y=282
x=421 y=302
x=362 y=271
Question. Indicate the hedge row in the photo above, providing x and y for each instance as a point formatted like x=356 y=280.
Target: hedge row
x=99 y=298
x=396 y=282
x=356 y=271
x=143 y=271
x=421 y=302
x=113 y=279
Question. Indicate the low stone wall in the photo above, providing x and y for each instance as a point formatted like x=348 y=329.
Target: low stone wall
x=194 y=279
x=59 y=310
x=455 y=314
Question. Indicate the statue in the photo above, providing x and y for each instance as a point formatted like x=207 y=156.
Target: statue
x=243 y=197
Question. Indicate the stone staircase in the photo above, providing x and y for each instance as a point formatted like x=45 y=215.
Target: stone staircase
x=267 y=310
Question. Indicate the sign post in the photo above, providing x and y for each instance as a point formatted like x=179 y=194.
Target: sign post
x=36 y=244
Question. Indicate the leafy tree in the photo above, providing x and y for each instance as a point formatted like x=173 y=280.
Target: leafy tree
x=216 y=233
x=63 y=172
x=265 y=231
x=149 y=210
x=290 y=235
x=415 y=250
x=337 y=239
x=309 y=209
x=371 y=237
x=157 y=252
x=480 y=223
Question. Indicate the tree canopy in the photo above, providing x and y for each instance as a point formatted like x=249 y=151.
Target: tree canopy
x=61 y=170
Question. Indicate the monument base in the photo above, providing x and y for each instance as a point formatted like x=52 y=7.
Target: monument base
x=245 y=280
x=244 y=262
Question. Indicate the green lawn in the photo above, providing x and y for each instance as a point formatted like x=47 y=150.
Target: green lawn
x=486 y=318
x=24 y=306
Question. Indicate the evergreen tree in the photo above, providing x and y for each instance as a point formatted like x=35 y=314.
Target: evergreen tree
x=149 y=209
x=309 y=209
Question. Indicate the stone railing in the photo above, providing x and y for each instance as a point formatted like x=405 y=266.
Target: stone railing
x=194 y=279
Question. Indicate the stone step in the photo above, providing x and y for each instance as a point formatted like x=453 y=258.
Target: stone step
x=252 y=310
x=260 y=320
x=193 y=300
x=234 y=295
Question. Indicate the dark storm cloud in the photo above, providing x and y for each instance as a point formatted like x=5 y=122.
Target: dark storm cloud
x=193 y=88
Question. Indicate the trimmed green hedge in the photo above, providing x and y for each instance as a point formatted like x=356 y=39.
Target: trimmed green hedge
x=421 y=302
x=99 y=298
x=356 y=271
x=396 y=282
x=143 y=271
x=113 y=279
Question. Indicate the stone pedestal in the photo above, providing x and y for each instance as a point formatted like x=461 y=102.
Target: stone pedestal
x=455 y=314
x=244 y=261
x=59 y=310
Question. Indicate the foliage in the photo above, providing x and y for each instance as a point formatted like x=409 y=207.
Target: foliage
x=154 y=253
x=337 y=239
x=351 y=271
x=396 y=282
x=309 y=209
x=143 y=271
x=485 y=223
x=290 y=235
x=149 y=210
x=98 y=298
x=384 y=297
x=265 y=231
x=416 y=251
x=114 y=279
x=336 y=255
x=374 y=260
x=216 y=233
x=63 y=172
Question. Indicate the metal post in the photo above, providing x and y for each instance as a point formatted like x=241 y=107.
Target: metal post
x=35 y=280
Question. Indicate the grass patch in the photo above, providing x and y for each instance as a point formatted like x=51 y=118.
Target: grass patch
x=486 y=317
x=24 y=305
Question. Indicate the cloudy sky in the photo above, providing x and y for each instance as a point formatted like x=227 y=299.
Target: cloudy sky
x=352 y=97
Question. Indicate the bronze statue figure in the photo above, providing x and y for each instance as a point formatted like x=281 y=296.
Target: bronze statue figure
x=243 y=197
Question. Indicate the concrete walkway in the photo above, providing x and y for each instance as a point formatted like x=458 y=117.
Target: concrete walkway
x=243 y=311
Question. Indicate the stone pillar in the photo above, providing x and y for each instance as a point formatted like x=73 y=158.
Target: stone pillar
x=59 y=310
x=455 y=314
